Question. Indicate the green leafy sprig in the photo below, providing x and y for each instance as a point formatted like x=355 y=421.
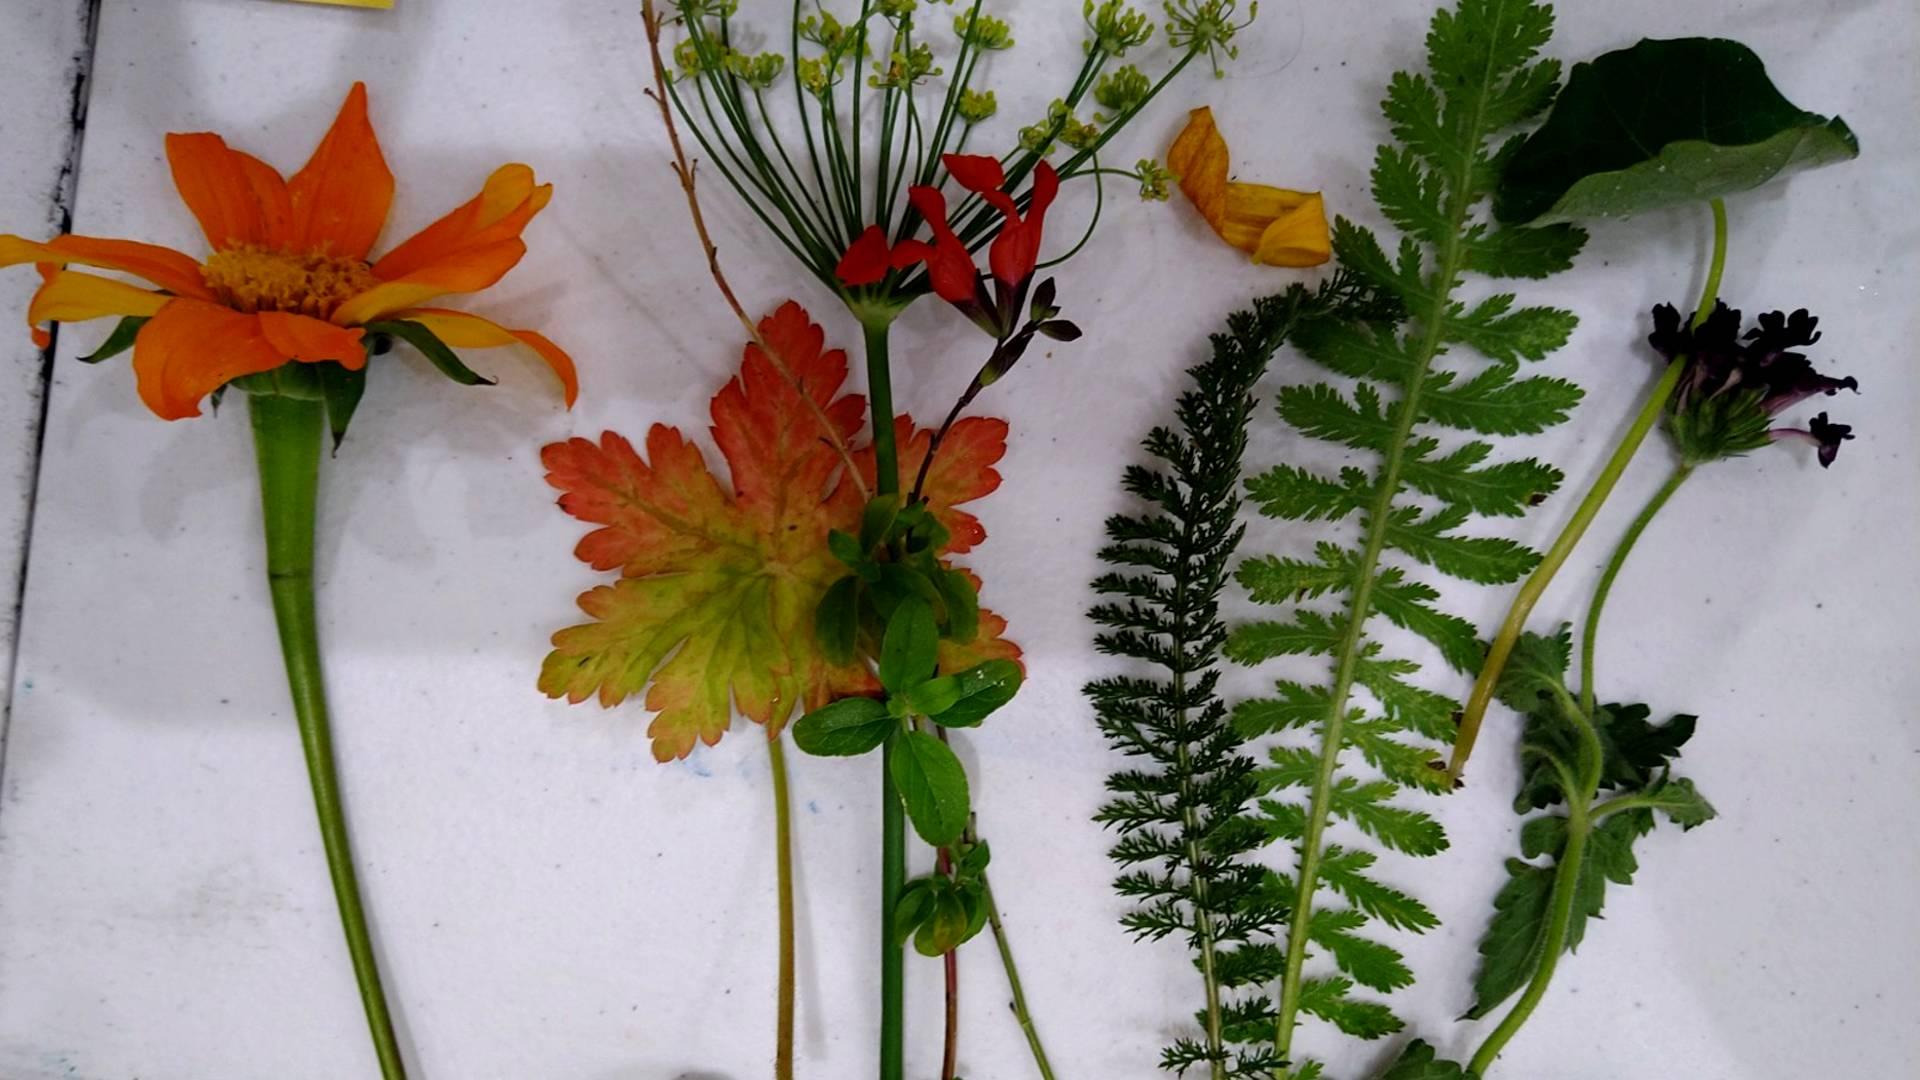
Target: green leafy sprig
x=1571 y=753
x=1411 y=506
x=1186 y=836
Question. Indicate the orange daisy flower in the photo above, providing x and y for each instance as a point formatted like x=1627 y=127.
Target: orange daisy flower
x=289 y=278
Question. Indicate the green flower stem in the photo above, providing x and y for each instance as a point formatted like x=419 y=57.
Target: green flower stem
x=893 y=821
x=1566 y=882
x=1600 y=591
x=783 y=874
x=1536 y=584
x=287 y=442
x=1020 y=1012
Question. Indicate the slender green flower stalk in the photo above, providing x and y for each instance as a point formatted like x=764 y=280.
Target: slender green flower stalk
x=287 y=434
x=1488 y=681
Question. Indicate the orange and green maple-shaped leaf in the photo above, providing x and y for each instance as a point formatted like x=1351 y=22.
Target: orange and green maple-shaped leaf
x=714 y=608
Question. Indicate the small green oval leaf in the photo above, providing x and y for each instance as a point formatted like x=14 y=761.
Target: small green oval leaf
x=845 y=728
x=932 y=786
x=935 y=696
x=1664 y=123
x=911 y=646
x=983 y=689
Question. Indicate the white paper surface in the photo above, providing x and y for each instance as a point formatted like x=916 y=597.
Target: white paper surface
x=552 y=904
x=42 y=50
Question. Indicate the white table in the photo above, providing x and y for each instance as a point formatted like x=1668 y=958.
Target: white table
x=551 y=904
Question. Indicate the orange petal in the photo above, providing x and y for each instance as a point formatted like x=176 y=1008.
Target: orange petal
x=469 y=270
x=190 y=349
x=311 y=341
x=238 y=199
x=1199 y=158
x=1278 y=227
x=71 y=296
x=339 y=201
x=509 y=200
x=464 y=331
x=165 y=267
x=1295 y=232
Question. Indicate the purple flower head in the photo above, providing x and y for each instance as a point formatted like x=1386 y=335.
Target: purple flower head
x=1733 y=385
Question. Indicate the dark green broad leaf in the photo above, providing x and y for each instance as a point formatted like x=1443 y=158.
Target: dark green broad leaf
x=980 y=690
x=1419 y=1062
x=845 y=728
x=911 y=646
x=932 y=786
x=1661 y=124
x=431 y=347
x=341 y=390
x=119 y=341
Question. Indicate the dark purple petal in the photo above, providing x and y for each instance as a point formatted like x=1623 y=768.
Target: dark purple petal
x=1669 y=338
x=1779 y=332
x=1822 y=433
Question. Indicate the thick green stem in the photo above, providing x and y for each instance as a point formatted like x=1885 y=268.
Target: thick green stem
x=1020 y=1012
x=893 y=821
x=1600 y=591
x=783 y=874
x=287 y=440
x=1566 y=881
x=1570 y=536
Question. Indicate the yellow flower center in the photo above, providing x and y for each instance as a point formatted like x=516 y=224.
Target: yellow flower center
x=248 y=278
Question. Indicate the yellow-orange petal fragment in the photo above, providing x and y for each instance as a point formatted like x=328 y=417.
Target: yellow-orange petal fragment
x=311 y=341
x=190 y=349
x=71 y=296
x=237 y=198
x=339 y=200
x=1278 y=227
x=465 y=331
x=471 y=270
x=165 y=267
x=505 y=205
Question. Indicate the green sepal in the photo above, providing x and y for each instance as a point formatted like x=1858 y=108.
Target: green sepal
x=295 y=380
x=429 y=345
x=341 y=390
x=122 y=338
x=932 y=786
x=845 y=728
x=836 y=622
x=1664 y=123
x=981 y=689
x=910 y=648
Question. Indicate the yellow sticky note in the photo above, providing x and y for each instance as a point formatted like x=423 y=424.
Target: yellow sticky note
x=351 y=3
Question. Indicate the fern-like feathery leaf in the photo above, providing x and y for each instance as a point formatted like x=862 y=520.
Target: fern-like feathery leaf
x=1400 y=393
x=1181 y=808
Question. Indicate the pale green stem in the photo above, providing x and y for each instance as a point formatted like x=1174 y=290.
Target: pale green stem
x=1600 y=591
x=1556 y=556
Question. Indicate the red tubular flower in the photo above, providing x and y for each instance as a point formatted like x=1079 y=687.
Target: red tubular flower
x=949 y=263
x=867 y=260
